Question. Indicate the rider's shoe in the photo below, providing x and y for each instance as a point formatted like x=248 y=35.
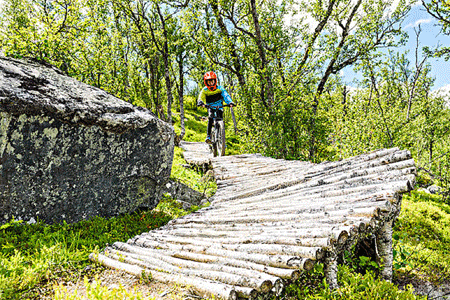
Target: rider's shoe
x=208 y=140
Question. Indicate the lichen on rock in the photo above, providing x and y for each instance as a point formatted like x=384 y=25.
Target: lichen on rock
x=69 y=151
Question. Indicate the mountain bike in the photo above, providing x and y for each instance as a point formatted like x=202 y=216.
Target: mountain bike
x=218 y=144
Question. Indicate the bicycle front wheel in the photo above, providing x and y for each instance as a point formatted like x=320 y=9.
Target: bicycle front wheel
x=214 y=143
x=220 y=138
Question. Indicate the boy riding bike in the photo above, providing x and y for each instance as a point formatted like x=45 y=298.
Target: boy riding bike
x=213 y=96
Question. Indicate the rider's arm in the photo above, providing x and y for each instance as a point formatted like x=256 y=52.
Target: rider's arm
x=226 y=97
x=201 y=97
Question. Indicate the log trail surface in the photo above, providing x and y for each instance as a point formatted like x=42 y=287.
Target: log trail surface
x=270 y=220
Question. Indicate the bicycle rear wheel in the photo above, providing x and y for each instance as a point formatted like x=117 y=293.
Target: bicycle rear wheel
x=220 y=138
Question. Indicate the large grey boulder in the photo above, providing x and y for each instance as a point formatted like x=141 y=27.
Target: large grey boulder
x=69 y=151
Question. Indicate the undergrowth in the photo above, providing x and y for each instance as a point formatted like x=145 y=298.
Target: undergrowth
x=422 y=239
x=352 y=285
x=33 y=256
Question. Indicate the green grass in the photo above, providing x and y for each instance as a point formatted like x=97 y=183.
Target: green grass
x=422 y=235
x=197 y=180
x=95 y=291
x=35 y=255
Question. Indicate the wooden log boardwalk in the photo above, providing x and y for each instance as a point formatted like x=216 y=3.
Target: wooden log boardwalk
x=269 y=220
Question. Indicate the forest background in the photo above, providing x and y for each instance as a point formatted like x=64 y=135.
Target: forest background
x=285 y=75
x=281 y=61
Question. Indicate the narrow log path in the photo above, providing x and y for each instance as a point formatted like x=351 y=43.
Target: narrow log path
x=269 y=220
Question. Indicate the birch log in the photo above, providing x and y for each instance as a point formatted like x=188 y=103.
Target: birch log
x=385 y=252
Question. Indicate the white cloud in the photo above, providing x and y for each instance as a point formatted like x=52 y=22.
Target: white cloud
x=394 y=5
x=445 y=90
x=353 y=90
x=297 y=14
x=445 y=93
x=418 y=22
x=391 y=9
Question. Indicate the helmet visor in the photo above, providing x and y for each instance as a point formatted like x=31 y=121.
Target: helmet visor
x=210 y=82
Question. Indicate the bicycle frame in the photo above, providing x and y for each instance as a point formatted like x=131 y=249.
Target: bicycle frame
x=218 y=131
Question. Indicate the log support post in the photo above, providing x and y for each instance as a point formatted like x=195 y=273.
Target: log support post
x=330 y=269
x=384 y=247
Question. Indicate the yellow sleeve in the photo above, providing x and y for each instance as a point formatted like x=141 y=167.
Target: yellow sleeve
x=202 y=96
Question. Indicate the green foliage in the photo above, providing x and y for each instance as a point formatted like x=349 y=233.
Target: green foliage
x=360 y=263
x=440 y=10
x=352 y=286
x=281 y=132
x=423 y=179
x=401 y=254
x=195 y=126
x=168 y=206
x=282 y=75
x=422 y=238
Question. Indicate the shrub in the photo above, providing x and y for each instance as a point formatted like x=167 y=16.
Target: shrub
x=353 y=286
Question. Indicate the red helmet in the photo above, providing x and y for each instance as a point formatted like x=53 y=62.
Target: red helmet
x=208 y=76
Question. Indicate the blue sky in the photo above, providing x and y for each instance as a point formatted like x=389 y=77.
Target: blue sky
x=430 y=36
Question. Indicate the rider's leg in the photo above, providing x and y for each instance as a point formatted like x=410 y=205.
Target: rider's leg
x=210 y=124
x=220 y=114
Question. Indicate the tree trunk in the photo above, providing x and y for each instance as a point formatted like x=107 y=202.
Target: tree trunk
x=212 y=259
x=165 y=53
x=228 y=275
x=181 y=96
x=234 y=55
x=205 y=288
x=153 y=87
x=262 y=54
x=323 y=81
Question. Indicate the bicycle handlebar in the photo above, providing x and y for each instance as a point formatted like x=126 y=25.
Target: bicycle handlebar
x=209 y=106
